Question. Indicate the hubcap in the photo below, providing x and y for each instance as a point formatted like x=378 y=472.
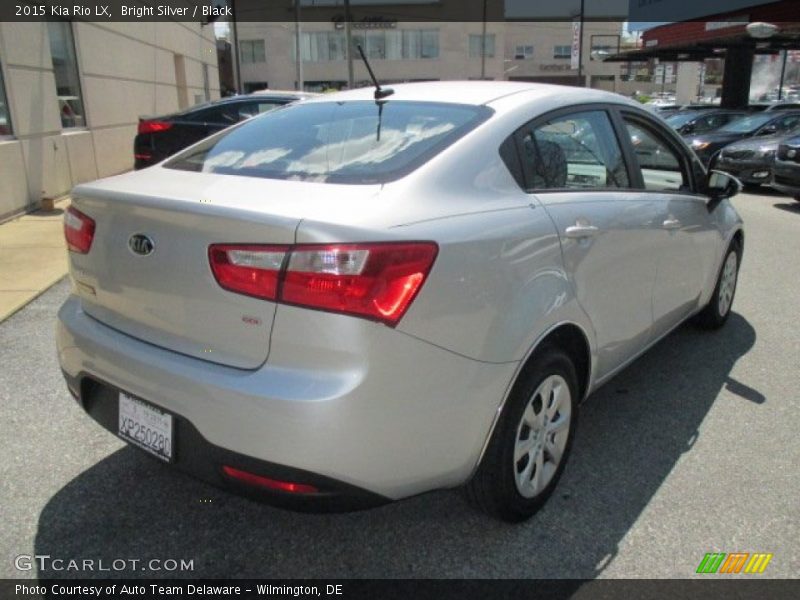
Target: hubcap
x=727 y=284
x=542 y=436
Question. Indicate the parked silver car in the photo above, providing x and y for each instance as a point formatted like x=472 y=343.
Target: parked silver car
x=358 y=299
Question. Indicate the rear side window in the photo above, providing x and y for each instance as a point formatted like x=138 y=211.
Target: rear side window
x=224 y=114
x=251 y=109
x=576 y=151
x=338 y=142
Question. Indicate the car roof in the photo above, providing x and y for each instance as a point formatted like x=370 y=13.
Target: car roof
x=473 y=92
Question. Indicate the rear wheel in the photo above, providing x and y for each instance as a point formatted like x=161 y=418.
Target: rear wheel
x=530 y=445
x=714 y=315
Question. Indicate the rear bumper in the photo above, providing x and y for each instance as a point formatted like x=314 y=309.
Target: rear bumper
x=202 y=459
x=410 y=418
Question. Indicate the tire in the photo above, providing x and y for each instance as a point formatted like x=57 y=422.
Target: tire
x=500 y=486
x=718 y=309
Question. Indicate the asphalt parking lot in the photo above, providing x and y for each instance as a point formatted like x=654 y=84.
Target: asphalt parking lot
x=693 y=449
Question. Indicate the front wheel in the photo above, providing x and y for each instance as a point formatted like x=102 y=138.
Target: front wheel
x=714 y=315
x=529 y=447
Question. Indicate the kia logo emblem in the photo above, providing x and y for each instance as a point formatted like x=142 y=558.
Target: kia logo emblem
x=141 y=244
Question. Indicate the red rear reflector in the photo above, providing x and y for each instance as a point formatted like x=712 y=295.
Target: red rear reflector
x=376 y=281
x=252 y=270
x=143 y=156
x=266 y=482
x=153 y=126
x=78 y=230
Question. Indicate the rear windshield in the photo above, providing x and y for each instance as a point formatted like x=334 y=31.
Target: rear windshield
x=337 y=142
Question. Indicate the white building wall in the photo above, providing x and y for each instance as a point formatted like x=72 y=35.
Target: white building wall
x=126 y=70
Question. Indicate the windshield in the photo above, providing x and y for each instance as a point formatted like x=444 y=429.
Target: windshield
x=337 y=142
x=747 y=124
x=678 y=119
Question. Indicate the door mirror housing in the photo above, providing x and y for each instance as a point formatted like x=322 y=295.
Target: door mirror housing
x=768 y=130
x=721 y=185
x=687 y=129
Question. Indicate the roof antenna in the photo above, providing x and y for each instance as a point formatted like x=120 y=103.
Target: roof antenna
x=380 y=93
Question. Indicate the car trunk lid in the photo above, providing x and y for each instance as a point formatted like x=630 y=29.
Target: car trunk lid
x=169 y=297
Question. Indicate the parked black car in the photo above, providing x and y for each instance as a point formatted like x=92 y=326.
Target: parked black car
x=751 y=160
x=694 y=122
x=160 y=137
x=786 y=176
x=770 y=123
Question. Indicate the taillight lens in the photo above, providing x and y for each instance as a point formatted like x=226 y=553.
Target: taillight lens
x=248 y=269
x=153 y=126
x=377 y=281
x=374 y=281
x=78 y=230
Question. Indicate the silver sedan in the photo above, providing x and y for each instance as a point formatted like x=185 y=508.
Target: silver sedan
x=365 y=297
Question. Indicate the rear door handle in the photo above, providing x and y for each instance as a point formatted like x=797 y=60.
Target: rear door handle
x=581 y=231
x=672 y=224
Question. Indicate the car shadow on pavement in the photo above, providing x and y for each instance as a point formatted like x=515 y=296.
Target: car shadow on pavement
x=631 y=435
x=792 y=207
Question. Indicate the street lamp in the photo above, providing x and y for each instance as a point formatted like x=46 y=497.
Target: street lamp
x=761 y=30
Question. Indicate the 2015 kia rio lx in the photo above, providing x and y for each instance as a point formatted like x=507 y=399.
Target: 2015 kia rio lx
x=364 y=297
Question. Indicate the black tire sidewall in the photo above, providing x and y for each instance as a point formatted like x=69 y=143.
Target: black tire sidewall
x=734 y=247
x=552 y=362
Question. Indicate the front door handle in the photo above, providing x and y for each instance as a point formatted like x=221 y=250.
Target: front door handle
x=672 y=224
x=581 y=231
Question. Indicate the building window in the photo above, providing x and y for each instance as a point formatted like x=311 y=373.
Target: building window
x=476 y=42
x=65 y=68
x=402 y=44
x=562 y=51
x=523 y=52
x=252 y=51
x=5 y=115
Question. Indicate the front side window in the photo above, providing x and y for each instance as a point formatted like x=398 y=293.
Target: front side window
x=65 y=69
x=336 y=142
x=252 y=51
x=481 y=45
x=661 y=165
x=577 y=151
x=5 y=116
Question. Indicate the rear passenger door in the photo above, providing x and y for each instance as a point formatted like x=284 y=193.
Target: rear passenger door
x=573 y=163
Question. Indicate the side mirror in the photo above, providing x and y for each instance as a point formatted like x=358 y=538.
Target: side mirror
x=768 y=130
x=687 y=129
x=721 y=185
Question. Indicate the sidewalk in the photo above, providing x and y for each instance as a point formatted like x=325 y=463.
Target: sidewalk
x=33 y=256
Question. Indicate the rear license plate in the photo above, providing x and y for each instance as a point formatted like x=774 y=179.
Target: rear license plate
x=145 y=426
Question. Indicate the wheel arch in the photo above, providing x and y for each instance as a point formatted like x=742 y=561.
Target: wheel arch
x=574 y=341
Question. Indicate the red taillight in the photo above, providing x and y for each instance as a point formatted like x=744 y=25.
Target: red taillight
x=248 y=269
x=78 y=230
x=375 y=281
x=153 y=126
x=266 y=482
